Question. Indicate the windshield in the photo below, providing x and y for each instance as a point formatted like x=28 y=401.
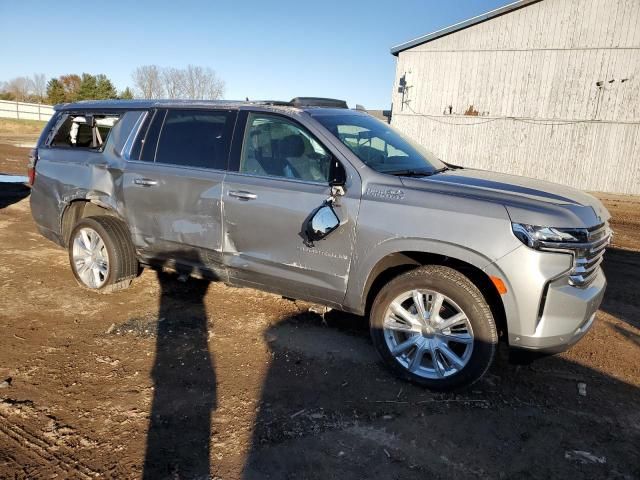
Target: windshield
x=381 y=147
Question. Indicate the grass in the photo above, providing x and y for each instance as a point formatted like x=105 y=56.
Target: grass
x=20 y=127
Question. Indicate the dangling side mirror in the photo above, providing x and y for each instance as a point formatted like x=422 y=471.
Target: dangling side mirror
x=322 y=222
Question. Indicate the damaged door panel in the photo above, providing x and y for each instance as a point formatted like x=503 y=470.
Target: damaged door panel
x=172 y=191
x=282 y=177
x=265 y=242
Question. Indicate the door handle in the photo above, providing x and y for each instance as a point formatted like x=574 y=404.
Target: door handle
x=145 y=182
x=242 y=195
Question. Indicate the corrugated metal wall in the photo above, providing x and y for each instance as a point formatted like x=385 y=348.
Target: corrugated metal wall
x=556 y=88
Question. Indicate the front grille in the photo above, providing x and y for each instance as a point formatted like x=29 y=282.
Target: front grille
x=588 y=256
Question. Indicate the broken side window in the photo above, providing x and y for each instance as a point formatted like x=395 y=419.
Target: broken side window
x=84 y=130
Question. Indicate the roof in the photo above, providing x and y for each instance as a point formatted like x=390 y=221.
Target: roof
x=461 y=25
x=300 y=103
x=141 y=104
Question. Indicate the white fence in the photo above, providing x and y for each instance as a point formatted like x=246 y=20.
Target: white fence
x=25 y=111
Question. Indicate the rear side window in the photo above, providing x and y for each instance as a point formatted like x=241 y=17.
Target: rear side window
x=84 y=130
x=149 y=140
x=195 y=138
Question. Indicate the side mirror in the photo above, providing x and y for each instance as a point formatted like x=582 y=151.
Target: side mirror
x=322 y=222
x=337 y=174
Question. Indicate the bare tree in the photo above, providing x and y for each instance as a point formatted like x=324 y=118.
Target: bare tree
x=147 y=80
x=193 y=82
x=173 y=79
x=19 y=88
x=39 y=81
x=202 y=83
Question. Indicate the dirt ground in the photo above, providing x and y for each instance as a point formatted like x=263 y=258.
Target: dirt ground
x=195 y=380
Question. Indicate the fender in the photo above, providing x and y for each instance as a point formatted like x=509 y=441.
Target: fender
x=93 y=202
x=392 y=252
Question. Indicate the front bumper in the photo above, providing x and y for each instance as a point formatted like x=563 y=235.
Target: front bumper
x=567 y=315
x=544 y=312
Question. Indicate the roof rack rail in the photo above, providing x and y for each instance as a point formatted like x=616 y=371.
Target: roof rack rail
x=303 y=102
x=277 y=103
x=318 y=102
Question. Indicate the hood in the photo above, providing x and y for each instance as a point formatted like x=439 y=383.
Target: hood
x=527 y=200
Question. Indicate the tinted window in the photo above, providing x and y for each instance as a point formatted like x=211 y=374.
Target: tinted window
x=84 y=130
x=196 y=138
x=122 y=130
x=277 y=147
x=136 y=149
x=380 y=146
x=149 y=141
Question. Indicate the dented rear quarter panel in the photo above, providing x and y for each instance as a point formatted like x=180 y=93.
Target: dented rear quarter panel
x=65 y=175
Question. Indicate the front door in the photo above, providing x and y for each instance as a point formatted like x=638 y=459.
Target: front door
x=173 y=186
x=281 y=178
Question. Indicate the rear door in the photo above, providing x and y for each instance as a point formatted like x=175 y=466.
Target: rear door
x=279 y=176
x=172 y=185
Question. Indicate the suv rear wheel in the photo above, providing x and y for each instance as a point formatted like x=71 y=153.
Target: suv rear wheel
x=432 y=326
x=101 y=254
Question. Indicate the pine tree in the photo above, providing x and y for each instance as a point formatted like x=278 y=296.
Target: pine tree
x=104 y=88
x=55 y=92
x=88 y=87
x=126 y=94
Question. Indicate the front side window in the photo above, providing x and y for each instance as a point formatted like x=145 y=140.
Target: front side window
x=275 y=146
x=379 y=146
x=195 y=138
x=84 y=130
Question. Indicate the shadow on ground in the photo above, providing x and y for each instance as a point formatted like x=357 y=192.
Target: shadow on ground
x=330 y=410
x=184 y=395
x=622 y=268
x=11 y=193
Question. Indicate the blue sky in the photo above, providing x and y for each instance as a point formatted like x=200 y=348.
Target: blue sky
x=265 y=49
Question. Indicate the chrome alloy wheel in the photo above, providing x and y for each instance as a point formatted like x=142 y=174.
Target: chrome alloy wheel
x=428 y=334
x=90 y=258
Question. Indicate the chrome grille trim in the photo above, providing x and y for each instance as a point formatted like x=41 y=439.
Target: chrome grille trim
x=588 y=256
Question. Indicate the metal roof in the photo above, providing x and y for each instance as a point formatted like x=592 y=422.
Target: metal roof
x=143 y=103
x=462 y=25
x=301 y=103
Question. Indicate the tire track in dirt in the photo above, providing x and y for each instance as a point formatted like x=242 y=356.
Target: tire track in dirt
x=37 y=447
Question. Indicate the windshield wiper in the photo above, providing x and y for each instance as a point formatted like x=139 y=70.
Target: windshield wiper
x=410 y=173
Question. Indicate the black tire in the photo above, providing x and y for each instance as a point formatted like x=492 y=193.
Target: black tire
x=466 y=295
x=122 y=265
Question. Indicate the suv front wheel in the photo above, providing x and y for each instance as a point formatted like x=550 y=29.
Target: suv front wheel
x=432 y=326
x=101 y=254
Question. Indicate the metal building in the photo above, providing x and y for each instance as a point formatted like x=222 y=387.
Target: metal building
x=543 y=88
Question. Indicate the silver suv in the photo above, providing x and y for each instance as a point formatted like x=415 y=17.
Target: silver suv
x=313 y=201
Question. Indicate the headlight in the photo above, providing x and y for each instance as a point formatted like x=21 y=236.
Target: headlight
x=538 y=237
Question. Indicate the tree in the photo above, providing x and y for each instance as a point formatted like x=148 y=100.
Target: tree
x=88 y=89
x=173 y=79
x=104 y=88
x=193 y=82
x=148 y=82
x=202 y=83
x=20 y=88
x=126 y=94
x=55 y=92
x=71 y=85
x=39 y=81
x=4 y=95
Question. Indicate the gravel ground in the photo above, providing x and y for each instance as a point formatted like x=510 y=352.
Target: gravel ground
x=187 y=380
